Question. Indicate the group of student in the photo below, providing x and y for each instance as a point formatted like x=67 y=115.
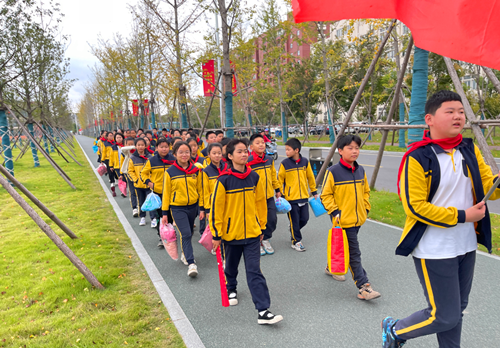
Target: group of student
x=232 y=185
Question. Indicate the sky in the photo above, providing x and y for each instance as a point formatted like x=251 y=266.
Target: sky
x=86 y=21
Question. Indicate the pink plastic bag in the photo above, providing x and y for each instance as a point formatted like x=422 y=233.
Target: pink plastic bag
x=122 y=185
x=206 y=239
x=102 y=169
x=169 y=239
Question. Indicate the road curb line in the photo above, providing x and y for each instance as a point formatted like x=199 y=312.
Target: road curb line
x=495 y=257
x=177 y=315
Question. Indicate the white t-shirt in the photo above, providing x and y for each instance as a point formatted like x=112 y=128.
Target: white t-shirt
x=455 y=190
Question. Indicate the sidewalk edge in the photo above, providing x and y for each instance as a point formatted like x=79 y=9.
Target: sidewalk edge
x=181 y=322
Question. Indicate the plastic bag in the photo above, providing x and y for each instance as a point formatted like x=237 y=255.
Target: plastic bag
x=338 y=250
x=317 y=207
x=169 y=239
x=102 y=169
x=122 y=185
x=206 y=239
x=282 y=206
x=152 y=202
x=95 y=148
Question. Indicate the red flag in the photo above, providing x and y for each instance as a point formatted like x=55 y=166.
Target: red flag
x=465 y=30
x=146 y=107
x=112 y=114
x=135 y=107
x=233 y=82
x=208 y=78
x=222 y=280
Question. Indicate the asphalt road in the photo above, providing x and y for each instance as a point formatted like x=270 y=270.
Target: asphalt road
x=387 y=175
x=318 y=311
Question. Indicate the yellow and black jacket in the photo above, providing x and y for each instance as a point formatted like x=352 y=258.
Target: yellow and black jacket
x=154 y=171
x=295 y=178
x=204 y=152
x=266 y=170
x=201 y=146
x=199 y=159
x=181 y=187
x=107 y=151
x=419 y=182
x=346 y=192
x=100 y=146
x=239 y=208
x=115 y=161
x=135 y=166
x=209 y=178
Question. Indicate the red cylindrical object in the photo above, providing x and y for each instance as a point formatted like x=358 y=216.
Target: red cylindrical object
x=222 y=280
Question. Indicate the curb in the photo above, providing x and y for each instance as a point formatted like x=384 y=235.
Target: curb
x=181 y=322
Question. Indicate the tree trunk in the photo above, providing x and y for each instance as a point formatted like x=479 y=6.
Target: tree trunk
x=418 y=94
x=226 y=70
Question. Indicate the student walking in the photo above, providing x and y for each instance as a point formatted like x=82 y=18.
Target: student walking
x=296 y=177
x=115 y=161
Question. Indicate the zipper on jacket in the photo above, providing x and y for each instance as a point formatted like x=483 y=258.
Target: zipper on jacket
x=265 y=172
x=187 y=187
x=298 y=175
x=228 y=225
x=355 y=194
x=173 y=200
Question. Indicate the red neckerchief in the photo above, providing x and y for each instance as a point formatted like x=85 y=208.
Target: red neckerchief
x=189 y=171
x=297 y=161
x=224 y=159
x=352 y=168
x=132 y=151
x=119 y=144
x=103 y=139
x=223 y=164
x=257 y=159
x=195 y=159
x=446 y=144
x=112 y=142
x=143 y=157
x=236 y=174
x=165 y=161
x=149 y=149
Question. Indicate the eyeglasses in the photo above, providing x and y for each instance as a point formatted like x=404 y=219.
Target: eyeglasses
x=184 y=153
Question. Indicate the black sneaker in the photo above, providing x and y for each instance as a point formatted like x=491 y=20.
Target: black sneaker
x=269 y=318
x=233 y=297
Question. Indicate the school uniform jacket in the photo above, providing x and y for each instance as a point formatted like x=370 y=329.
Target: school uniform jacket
x=135 y=166
x=115 y=161
x=107 y=151
x=420 y=179
x=295 y=178
x=204 y=152
x=180 y=189
x=100 y=146
x=346 y=192
x=209 y=178
x=154 y=170
x=267 y=172
x=238 y=208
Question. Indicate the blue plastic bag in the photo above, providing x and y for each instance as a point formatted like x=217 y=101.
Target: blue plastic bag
x=282 y=206
x=152 y=202
x=95 y=148
x=317 y=207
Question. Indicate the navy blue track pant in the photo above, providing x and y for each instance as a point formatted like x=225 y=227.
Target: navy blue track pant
x=298 y=218
x=255 y=279
x=184 y=220
x=272 y=219
x=141 y=195
x=133 y=195
x=447 y=284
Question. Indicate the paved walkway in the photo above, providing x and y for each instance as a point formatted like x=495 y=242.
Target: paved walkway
x=318 y=311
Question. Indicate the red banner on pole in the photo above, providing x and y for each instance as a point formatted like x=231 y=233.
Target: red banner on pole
x=146 y=107
x=135 y=107
x=112 y=114
x=208 y=78
x=233 y=82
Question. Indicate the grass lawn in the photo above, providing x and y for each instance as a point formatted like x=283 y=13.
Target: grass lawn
x=387 y=208
x=44 y=300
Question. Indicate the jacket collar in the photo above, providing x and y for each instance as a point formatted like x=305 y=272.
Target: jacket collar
x=348 y=166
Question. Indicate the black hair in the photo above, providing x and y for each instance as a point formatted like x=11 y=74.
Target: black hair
x=217 y=132
x=108 y=133
x=231 y=145
x=140 y=129
x=192 y=135
x=176 y=130
x=176 y=138
x=190 y=129
x=294 y=143
x=138 y=140
x=132 y=130
x=255 y=136
x=102 y=132
x=183 y=130
x=192 y=139
x=155 y=128
x=437 y=99
x=148 y=132
x=164 y=129
x=128 y=139
x=225 y=141
x=208 y=133
x=118 y=134
x=211 y=146
x=179 y=144
x=347 y=139
x=162 y=140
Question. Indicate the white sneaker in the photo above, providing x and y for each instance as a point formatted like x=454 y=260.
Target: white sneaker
x=262 y=251
x=183 y=259
x=192 y=270
x=135 y=212
x=267 y=247
x=112 y=184
x=142 y=222
x=298 y=246
x=233 y=298
x=154 y=223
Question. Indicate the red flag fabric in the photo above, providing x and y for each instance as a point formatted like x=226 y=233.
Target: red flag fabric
x=208 y=78
x=465 y=30
x=146 y=107
x=135 y=107
x=233 y=82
